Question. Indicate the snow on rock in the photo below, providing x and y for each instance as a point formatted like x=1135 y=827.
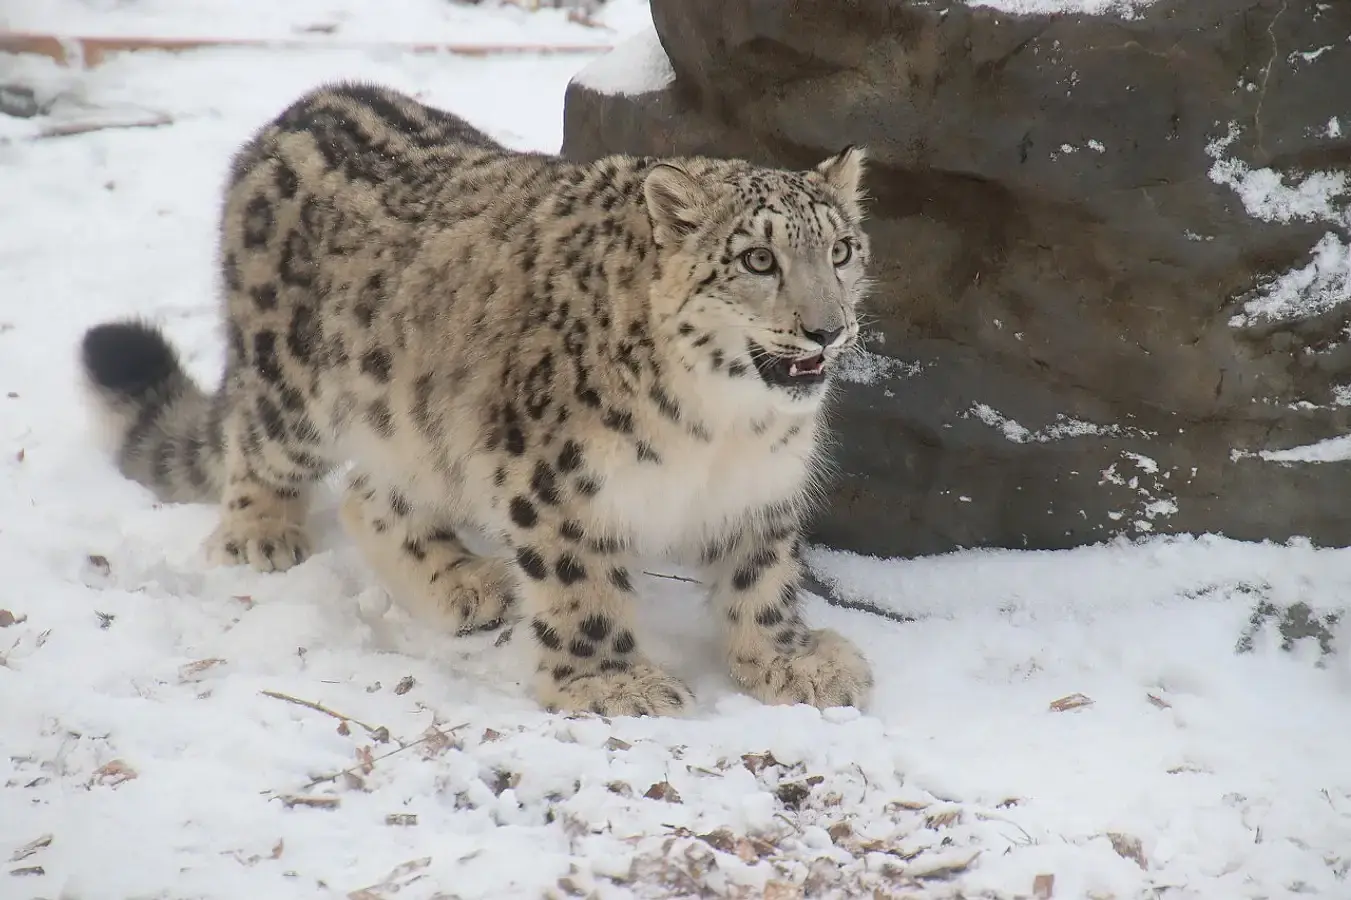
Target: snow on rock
x=1333 y=449
x=1155 y=498
x=173 y=730
x=1125 y=9
x=1307 y=291
x=864 y=367
x=1064 y=427
x=1322 y=284
x=638 y=65
x=1325 y=282
x=1071 y=149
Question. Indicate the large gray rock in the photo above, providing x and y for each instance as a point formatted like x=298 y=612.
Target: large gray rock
x=1081 y=329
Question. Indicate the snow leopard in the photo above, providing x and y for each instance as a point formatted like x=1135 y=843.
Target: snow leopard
x=592 y=364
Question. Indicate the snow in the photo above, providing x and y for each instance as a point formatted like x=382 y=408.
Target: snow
x=639 y=65
x=1062 y=428
x=1266 y=196
x=327 y=21
x=1325 y=281
x=1070 y=149
x=1082 y=715
x=1333 y=449
x=1126 y=9
x=1141 y=476
x=1302 y=292
x=865 y=367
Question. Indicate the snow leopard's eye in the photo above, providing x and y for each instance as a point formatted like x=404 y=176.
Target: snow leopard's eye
x=759 y=261
x=841 y=253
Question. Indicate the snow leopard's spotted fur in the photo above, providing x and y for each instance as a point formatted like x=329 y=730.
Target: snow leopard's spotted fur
x=593 y=362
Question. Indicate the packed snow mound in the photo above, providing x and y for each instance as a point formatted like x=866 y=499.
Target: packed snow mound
x=638 y=65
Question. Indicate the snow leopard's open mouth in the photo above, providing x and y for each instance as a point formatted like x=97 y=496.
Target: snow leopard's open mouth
x=788 y=371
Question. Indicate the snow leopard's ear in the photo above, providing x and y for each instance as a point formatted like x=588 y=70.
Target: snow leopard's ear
x=674 y=201
x=844 y=172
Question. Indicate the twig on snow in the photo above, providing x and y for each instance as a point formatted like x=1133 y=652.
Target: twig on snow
x=380 y=734
x=432 y=732
x=71 y=129
x=832 y=597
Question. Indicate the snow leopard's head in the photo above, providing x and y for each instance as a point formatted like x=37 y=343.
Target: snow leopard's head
x=763 y=269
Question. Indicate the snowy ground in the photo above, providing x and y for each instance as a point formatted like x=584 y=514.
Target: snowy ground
x=552 y=22
x=148 y=748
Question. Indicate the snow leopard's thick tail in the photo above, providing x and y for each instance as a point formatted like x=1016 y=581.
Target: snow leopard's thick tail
x=166 y=430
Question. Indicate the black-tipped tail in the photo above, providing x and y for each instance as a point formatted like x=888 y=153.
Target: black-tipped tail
x=130 y=359
x=167 y=430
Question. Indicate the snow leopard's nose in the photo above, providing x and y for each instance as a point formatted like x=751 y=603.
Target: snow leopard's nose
x=826 y=338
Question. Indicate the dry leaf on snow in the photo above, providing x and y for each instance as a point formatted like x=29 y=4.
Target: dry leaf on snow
x=943 y=819
x=189 y=671
x=908 y=805
x=366 y=760
x=941 y=866
x=758 y=762
x=399 y=878
x=1073 y=701
x=662 y=790
x=1128 y=847
x=570 y=887
x=30 y=848
x=782 y=890
x=434 y=742
x=113 y=773
x=291 y=801
x=748 y=850
x=792 y=793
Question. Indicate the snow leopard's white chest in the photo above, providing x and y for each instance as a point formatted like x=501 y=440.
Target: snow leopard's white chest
x=696 y=489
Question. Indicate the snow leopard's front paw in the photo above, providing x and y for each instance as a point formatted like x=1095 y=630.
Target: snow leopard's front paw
x=475 y=594
x=827 y=670
x=637 y=689
x=266 y=544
